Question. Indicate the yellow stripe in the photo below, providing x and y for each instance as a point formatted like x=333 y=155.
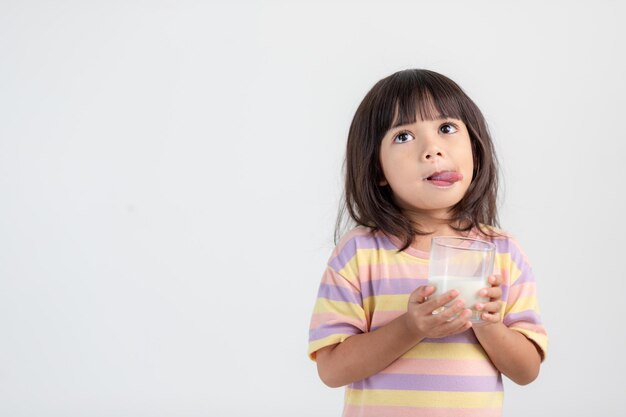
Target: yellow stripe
x=523 y=304
x=344 y=308
x=504 y=262
x=375 y=257
x=459 y=351
x=410 y=259
x=386 y=303
x=327 y=341
x=434 y=399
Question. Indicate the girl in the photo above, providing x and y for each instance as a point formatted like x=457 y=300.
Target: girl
x=420 y=163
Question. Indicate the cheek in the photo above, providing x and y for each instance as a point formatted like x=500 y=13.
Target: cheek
x=395 y=165
x=467 y=159
x=470 y=166
x=402 y=175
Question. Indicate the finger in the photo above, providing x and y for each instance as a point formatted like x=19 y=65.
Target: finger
x=451 y=312
x=494 y=293
x=442 y=300
x=421 y=294
x=490 y=312
x=491 y=307
x=459 y=323
x=495 y=280
x=490 y=318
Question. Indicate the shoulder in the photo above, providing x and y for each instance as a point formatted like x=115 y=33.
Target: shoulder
x=359 y=239
x=359 y=233
x=364 y=237
x=491 y=232
x=504 y=240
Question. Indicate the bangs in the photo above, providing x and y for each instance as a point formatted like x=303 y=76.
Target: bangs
x=429 y=96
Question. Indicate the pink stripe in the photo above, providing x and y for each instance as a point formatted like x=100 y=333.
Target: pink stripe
x=380 y=318
x=537 y=328
x=442 y=367
x=330 y=277
x=378 y=411
x=320 y=319
x=391 y=271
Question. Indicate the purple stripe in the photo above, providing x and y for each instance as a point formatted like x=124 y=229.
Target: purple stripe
x=327 y=330
x=528 y=316
x=448 y=383
x=525 y=277
x=517 y=258
x=505 y=292
x=359 y=242
x=506 y=246
x=392 y=286
x=335 y=293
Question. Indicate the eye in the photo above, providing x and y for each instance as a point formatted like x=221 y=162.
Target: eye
x=448 y=128
x=403 y=137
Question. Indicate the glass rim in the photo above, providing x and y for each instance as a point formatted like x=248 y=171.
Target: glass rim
x=438 y=239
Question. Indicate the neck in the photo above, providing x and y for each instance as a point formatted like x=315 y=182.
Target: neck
x=423 y=242
x=435 y=223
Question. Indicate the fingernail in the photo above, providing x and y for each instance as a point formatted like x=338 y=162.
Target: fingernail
x=483 y=293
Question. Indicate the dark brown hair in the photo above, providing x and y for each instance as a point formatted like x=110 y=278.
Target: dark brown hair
x=397 y=99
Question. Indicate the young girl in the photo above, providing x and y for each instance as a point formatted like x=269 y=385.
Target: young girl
x=420 y=163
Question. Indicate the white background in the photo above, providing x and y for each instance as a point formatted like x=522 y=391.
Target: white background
x=170 y=173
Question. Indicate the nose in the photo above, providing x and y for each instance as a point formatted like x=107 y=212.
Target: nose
x=432 y=152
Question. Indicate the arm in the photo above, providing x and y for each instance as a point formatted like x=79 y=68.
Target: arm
x=510 y=351
x=366 y=354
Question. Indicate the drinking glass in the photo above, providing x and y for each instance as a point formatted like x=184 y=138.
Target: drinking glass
x=463 y=264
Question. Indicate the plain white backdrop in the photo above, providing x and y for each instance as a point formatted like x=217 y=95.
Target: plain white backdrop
x=170 y=173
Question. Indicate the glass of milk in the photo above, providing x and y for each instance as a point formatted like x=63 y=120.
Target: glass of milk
x=462 y=264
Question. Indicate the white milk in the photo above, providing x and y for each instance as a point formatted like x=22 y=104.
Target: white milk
x=468 y=288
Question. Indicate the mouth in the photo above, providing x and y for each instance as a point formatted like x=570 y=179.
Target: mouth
x=444 y=178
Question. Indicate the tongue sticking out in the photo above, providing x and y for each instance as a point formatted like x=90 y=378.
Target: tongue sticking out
x=445 y=178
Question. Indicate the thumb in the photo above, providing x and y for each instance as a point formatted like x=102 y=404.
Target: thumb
x=421 y=293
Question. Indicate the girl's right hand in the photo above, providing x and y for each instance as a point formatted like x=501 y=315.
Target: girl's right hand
x=423 y=323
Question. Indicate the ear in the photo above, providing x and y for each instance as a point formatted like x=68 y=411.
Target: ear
x=382 y=183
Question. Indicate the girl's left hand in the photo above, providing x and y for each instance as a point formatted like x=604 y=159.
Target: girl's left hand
x=491 y=309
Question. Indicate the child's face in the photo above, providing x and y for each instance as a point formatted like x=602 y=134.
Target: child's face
x=428 y=165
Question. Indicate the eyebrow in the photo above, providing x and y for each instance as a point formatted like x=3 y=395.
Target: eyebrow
x=437 y=117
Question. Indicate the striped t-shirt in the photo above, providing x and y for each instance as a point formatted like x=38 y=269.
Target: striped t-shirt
x=367 y=284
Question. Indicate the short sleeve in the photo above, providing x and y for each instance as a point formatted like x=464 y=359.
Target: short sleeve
x=338 y=312
x=521 y=310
